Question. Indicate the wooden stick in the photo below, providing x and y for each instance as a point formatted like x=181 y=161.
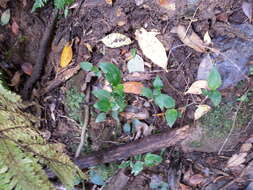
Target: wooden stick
x=147 y=144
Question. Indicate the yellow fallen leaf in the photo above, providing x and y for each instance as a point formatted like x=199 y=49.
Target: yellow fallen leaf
x=152 y=48
x=190 y=39
x=201 y=110
x=196 y=87
x=108 y=2
x=133 y=87
x=66 y=55
x=115 y=40
x=236 y=160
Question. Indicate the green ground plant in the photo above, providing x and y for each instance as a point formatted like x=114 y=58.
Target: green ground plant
x=162 y=100
x=59 y=4
x=108 y=102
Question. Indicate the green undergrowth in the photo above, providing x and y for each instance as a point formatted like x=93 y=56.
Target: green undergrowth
x=219 y=121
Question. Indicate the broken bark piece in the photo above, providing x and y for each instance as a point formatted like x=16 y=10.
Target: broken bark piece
x=147 y=144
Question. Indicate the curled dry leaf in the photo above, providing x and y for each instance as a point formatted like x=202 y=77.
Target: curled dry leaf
x=27 y=68
x=247 y=9
x=141 y=128
x=236 y=160
x=15 y=79
x=133 y=87
x=14 y=27
x=152 y=48
x=201 y=110
x=115 y=40
x=66 y=55
x=207 y=38
x=108 y=2
x=196 y=87
x=246 y=147
x=131 y=113
x=196 y=179
x=190 y=39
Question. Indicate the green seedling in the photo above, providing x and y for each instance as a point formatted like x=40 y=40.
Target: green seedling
x=138 y=162
x=108 y=102
x=214 y=82
x=59 y=4
x=164 y=101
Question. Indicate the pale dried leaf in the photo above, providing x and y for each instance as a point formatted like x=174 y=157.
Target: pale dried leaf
x=115 y=40
x=136 y=64
x=190 y=39
x=168 y=4
x=236 y=160
x=152 y=48
x=133 y=87
x=108 y=2
x=141 y=115
x=196 y=87
x=246 y=147
x=247 y=9
x=201 y=110
x=141 y=128
x=207 y=38
x=196 y=179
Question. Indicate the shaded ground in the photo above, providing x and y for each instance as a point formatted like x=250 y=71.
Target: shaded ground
x=90 y=21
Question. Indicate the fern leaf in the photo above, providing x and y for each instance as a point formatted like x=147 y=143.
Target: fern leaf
x=61 y=4
x=38 y=4
x=8 y=94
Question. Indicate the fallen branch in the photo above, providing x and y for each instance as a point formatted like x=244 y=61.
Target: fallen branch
x=147 y=144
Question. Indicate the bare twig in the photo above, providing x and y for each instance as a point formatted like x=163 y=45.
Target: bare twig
x=85 y=123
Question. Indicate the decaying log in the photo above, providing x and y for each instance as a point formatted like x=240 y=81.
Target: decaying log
x=147 y=144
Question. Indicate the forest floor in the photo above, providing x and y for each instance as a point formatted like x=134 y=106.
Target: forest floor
x=212 y=152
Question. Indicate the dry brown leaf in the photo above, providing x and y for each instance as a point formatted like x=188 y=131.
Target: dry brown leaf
x=247 y=9
x=133 y=87
x=201 y=110
x=14 y=27
x=27 y=68
x=167 y=4
x=236 y=160
x=141 y=128
x=108 y=2
x=15 y=79
x=66 y=55
x=196 y=87
x=139 y=115
x=152 y=48
x=190 y=39
x=196 y=179
x=184 y=187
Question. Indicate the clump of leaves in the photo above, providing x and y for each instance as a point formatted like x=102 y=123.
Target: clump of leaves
x=74 y=99
x=137 y=163
x=59 y=4
x=162 y=100
x=214 y=82
x=108 y=102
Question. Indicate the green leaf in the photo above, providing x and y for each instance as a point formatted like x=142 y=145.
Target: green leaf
x=137 y=167
x=214 y=79
x=115 y=115
x=101 y=94
x=95 y=178
x=133 y=52
x=152 y=159
x=156 y=92
x=100 y=118
x=61 y=4
x=171 y=116
x=38 y=4
x=158 y=83
x=147 y=92
x=125 y=164
x=112 y=73
x=87 y=66
x=127 y=128
x=103 y=105
x=164 y=101
x=5 y=18
x=215 y=97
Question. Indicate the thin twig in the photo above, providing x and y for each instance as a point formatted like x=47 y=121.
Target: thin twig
x=85 y=123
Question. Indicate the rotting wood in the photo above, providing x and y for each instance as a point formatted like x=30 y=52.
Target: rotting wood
x=147 y=144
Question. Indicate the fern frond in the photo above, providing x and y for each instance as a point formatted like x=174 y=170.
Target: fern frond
x=38 y=4
x=23 y=150
x=8 y=94
x=61 y=4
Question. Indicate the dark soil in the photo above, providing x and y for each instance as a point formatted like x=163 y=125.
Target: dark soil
x=89 y=22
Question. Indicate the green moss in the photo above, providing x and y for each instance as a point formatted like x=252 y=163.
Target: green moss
x=73 y=102
x=219 y=121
